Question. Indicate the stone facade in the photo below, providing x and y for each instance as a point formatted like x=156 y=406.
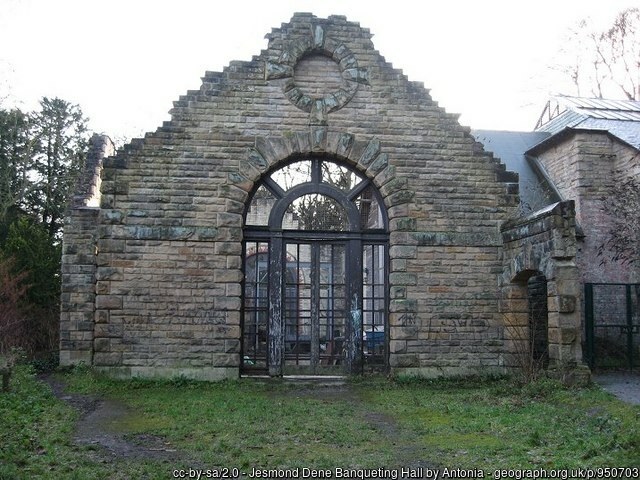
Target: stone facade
x=581 y=150
x=153 y=278
x=583 y=166
x=544 y=244
x=79 y=260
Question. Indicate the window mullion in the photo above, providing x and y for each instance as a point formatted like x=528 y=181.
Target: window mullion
x=274 y=188
x=316 y=171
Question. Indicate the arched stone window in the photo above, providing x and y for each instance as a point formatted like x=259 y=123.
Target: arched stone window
x=315 y=272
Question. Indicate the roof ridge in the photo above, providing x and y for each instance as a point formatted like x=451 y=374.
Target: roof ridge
x=591 y=103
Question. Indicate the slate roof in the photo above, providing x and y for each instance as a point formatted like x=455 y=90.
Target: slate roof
x=621 y=118
x=561 y=117
x=536 y=189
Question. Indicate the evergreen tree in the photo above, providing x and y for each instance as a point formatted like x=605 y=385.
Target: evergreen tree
x=60 y=133
x=41 y=154
x=16 y=147
x=36 y=255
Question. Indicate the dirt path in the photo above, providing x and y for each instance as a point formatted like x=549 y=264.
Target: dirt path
x=99 y=427
x=101 y=420
x=100 y=423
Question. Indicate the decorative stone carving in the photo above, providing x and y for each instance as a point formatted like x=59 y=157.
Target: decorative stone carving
x=318 y=44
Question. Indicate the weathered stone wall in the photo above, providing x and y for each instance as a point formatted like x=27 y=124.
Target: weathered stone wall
x=584 y=166
x=544 y=243
x=169 y=269
x=627 y=159
x=79 y=259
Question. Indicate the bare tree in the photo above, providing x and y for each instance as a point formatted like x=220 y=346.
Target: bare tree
x=622 y=203
x=604 y=62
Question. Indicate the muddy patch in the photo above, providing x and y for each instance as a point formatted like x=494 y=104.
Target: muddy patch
x=408 y=452
x=105 y=427
x=102 y=425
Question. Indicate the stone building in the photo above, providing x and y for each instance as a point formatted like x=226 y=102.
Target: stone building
x=580 y=148
x=312 y=211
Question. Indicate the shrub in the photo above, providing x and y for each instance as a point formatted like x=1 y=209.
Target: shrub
x=12 y=316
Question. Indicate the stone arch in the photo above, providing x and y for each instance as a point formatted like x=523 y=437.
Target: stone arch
x=526 y=319
x=543 y=244
x=364 y=155
x=537 y=295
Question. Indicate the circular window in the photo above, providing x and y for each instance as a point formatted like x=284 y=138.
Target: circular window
x=321 y=83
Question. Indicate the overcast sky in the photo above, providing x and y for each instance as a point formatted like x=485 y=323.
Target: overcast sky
x=125 y=61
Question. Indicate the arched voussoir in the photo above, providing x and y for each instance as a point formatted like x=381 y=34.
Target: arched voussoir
x=366 y=155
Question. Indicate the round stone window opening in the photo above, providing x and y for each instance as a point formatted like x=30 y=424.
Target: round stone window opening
x=321 y=75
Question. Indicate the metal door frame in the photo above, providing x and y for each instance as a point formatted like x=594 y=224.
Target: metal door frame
x=315 y=316
x=354 y=237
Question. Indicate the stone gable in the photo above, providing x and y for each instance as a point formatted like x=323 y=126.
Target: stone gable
x=169 y=231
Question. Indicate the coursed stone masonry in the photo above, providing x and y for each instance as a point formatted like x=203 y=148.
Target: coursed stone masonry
x=584 y=165
x=166 y=282
x=544 y=243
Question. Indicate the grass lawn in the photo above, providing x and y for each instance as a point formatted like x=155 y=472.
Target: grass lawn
x=367 y=423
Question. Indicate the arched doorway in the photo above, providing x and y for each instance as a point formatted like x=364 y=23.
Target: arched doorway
x=315 y=272
x=538 y=320
x=527 y=322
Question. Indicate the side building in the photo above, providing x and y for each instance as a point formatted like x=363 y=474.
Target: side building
x=580 y=149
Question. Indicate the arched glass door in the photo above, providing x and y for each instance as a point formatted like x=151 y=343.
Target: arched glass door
x=315 y=272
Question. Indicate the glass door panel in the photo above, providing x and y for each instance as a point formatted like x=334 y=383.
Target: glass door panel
x=332 y=303
x=256 y=306
x=374 y=304
x=315 y=307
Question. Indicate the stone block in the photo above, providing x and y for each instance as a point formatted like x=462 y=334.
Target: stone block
x=567 y=303
x=229 y=220
x=403 y=251
x=403 y=332
x=562 y=336
x=404 y=361
x=226 y=360
x=402 y=279
x=102 y=345
x=102 y=316
x=227 y=303
x=108 y=302
x=397 y=347
x=107 y=359
x=107 y=330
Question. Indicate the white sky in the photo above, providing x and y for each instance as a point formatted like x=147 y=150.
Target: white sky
x=125 y=61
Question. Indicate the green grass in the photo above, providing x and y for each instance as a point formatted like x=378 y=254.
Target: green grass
x=374 y=423
x=36 y=433
x=248 y=423
x=498 y=424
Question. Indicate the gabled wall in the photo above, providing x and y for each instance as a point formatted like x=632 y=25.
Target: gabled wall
x=169 y=231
